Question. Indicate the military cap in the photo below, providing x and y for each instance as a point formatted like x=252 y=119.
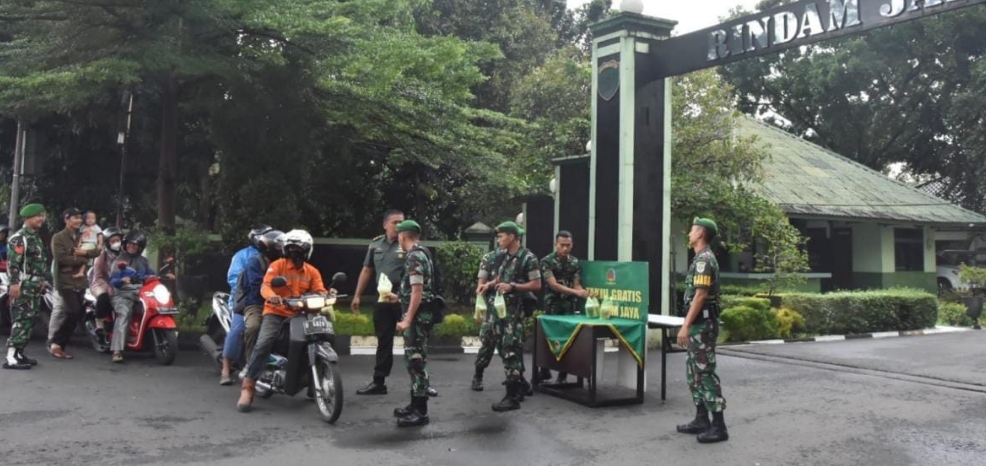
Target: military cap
x=408 y=225
x=32 y=210
x=510 y=227
x=707 y=223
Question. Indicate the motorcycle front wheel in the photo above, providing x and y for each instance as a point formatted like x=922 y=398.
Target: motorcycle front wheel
x=165 y=345
x=329 y=399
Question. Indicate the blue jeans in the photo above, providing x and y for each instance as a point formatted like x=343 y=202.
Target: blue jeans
x=233 y=346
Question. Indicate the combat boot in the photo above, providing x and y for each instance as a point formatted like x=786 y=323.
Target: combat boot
x=246 y=395
x=418 y=415
x=716 y=432
x=699 y=424
x=11 y=362
x=477 y=381
x=22 y=358
x=509 y=402
x=524 y=389
x=401 y=412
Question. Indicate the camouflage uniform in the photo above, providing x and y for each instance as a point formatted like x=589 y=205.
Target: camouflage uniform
x=26 y=266
x=566 y=273
x=486 y=336
x=418 y=269
x=509 y=332
x=701 y=362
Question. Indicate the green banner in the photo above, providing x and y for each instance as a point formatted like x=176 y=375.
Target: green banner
x=560 y=331
x=625 y=283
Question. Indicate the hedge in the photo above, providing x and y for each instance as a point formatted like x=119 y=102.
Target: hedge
x=865 y=311
x=955 y=314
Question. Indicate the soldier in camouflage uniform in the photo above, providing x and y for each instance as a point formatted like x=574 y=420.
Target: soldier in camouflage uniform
x=486 y=337
x=26 y=269
x=416 y=296
x=699 y=335
x=563 y=285
x=518 y=274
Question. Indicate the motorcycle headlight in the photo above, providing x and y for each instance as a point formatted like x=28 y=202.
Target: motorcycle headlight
x=315 y=302
x=162 y=295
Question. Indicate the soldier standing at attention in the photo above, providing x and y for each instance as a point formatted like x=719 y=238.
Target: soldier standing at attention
x=26 y=270
x=416 y=298
x=486 y=337
x=699 y=335
x=563 y=280
x=519 y=273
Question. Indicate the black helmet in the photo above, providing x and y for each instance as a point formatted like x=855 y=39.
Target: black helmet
x=4 y=228
x=135 y=236
x=271 y=244
x=256 y=233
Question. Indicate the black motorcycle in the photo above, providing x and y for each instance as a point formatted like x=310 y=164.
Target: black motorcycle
x=311 y=362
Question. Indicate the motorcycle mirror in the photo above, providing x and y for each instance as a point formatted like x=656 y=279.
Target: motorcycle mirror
x=121 y=265
x=279 y=282
x=339 y=278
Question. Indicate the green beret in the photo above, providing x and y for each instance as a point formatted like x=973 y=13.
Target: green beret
x=707 y=223
x=409 y=225
x=32 y=210
x=510 y=227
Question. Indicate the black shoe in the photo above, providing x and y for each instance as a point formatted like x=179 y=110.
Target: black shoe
x=403 y=412
x=17 y=365
x=432 y=392
x=418 y=416
x=699 y=424
x=373 y=388
x=22 y=358
x=716 y=432
x=525 y=388
x=477 y=383
x=509 y=402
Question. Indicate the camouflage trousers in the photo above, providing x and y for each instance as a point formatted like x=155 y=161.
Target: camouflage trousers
x=700 y=366
x=416 y=356
x=488 y=340
x=23 y=310
x=509 y=336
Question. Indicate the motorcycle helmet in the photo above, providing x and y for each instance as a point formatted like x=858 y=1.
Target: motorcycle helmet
x=270 y=244
x=300 y=238
x=256 y=233
x=5 y=230
x=136 y=236
x=109 y=233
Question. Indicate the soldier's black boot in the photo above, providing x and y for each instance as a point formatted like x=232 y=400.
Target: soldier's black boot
x=22 y=358
x=11 y=361
x=509 y=402
x=401 y=412
x=699 y=424
x=477 y=381
x=418 y=415
x=716 y=432
x=524 y=389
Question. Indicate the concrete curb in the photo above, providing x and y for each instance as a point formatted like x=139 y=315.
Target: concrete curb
x=825 y=338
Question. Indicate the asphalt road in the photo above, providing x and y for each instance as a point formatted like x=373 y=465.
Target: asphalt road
x=900 y=401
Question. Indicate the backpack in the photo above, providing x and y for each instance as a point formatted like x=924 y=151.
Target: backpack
x=438 y=305
x=239 y=293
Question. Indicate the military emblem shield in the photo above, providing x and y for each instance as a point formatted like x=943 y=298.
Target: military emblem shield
x=609 y=79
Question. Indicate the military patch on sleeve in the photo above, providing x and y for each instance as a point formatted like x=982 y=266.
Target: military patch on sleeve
x=700 y=267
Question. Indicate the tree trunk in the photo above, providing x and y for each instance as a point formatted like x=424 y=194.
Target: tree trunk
x=166 y=192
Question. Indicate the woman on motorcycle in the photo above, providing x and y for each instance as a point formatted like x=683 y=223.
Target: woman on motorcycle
x=126 y=286
x=99 y=283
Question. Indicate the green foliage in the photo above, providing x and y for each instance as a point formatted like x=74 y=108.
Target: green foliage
x=745 y=323
x=865 y=311
x=456 y=326
x=184 y=244
x=974 y=277
x=789 y=322
x=460 y=262
x=347 y=323
x=954 y=314
x=760 y=304
x=737 y=290
x=783 y=253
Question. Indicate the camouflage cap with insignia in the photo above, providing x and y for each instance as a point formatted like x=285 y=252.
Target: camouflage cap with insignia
x=707 y=223
x=510 y=227
x=408 y=225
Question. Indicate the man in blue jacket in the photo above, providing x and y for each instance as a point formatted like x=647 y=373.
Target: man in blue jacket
x=233 y=345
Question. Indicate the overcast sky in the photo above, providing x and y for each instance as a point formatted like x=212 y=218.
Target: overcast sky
x=689 y=15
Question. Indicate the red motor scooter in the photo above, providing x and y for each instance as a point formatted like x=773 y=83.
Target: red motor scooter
x=152 y=325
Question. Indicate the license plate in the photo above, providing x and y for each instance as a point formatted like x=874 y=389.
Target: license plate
x=318 y=325
x=167 y=311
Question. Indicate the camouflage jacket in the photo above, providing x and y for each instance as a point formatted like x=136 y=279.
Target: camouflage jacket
x=487 y=263
x=566 y=272
x=703 y=273
x=519 y=268
x=26 y=258
x=418 y=270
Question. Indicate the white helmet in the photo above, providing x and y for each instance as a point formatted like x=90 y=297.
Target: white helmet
x=300 y=238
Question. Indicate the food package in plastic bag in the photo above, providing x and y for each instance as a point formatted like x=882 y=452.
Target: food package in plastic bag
x=591 y=308
x=384 y=287
x=500 y=304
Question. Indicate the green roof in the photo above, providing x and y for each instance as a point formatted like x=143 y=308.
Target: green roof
x=807 y=180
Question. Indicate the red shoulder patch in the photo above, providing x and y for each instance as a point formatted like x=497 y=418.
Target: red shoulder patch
x=19 y=249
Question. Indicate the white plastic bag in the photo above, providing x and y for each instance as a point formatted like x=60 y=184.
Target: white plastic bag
x=500 y=305
x=481 y=308
x=607 y=309
x=591 y=308
x=384 y=287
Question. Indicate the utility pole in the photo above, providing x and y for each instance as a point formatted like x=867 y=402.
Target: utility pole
x=128 y=100
x=15 y=184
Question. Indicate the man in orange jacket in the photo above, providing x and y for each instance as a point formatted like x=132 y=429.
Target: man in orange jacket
x=302 y=278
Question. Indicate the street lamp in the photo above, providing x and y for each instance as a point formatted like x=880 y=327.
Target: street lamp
x=632 y=6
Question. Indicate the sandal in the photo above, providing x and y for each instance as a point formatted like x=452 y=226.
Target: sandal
x=117 y=357
x=57 y=352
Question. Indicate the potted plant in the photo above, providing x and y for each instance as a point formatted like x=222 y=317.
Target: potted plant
x=973 y=281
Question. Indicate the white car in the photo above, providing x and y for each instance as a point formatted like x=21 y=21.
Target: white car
x=948 y=267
